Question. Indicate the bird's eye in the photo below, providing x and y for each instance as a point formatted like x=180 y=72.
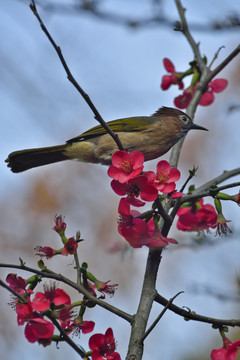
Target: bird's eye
x=184 y=118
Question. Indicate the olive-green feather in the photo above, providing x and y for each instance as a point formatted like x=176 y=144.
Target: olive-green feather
x=132 y=124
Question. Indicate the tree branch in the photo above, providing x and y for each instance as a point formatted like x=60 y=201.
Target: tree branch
x=170 y=301
x=52 y=275
x=135 y=349
x=196 y=317
x=70 y=77
x=67 y=338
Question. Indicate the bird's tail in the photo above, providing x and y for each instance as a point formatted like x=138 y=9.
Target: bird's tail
x=23 y=160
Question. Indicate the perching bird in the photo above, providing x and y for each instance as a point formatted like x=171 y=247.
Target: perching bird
x=152 y=135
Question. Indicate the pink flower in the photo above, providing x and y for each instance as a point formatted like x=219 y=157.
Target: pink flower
x=45 y=251
x=168 y=80
x=132 y=228
x=103 y=346
x=60 y=225
x=164 y=179
x=182 y=101
x=138 y=186
x=157 y=240
x=198 y=217
x=42 y=301
x=78 y=326
x=17 y=283
x=227 y=352
x=106 y=288
x=38 y=328
x=214 y=86
x=176 y=194
x=70 y=247
x=126 y=165
x=65 y=314
x=138 y=232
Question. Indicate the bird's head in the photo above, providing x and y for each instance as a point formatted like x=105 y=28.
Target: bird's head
x=176 y=121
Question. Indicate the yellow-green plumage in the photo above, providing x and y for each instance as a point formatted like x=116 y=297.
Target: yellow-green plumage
x=152 y=135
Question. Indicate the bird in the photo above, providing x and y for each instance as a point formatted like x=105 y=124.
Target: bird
x=152 y=135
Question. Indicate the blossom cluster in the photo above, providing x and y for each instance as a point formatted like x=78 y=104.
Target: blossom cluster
x=175 y=78
x=202 y=217
x=70 y=245
x=130 y=181
x=32 y=311
x=40 y=311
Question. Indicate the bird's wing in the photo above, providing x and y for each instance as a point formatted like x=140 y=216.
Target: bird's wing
x=131 y=124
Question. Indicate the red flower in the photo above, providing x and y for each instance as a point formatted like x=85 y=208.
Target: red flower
x=103 y=346
x=24 y=312
x=182 y=101
x=103 y=287
x=138 y=186
x=70 y=247
x=17 y=283
x=38 y=328
x=198 y=217
x=45 y=251
x=176 y=194
x=227 y=352
x=132 y=228
x=137 y=232
x=78 y=326
x=168 y=80
x=157 y=240
x=65 y=315
x=126 y=165
x=164 y=179
x=60 y=225
x=214 y=86
x=42 y=301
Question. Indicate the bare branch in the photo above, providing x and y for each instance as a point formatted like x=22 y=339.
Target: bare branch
x=185 y=31
x=70 y=77
x=170 y=301
x=67 y=338
x=224 y=63
x=52 y=275
x=196 y=317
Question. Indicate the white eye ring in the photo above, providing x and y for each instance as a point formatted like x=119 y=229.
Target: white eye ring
x=184 y=118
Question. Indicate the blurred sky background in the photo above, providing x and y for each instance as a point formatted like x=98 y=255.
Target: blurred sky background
x=120 y=67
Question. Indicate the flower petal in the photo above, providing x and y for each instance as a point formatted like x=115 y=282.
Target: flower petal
x=218 y=85
x=168 y=65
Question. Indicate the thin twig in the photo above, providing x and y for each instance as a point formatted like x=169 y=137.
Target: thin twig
x=223 y=64
x=76 y=259
x=67 y=338
x=205 y=189
x=70 y=77
x=196 y=317
x=215 y=56
x=170 y=301
x=185 y=31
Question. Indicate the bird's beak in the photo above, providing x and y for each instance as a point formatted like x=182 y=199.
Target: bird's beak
x=198 y=127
